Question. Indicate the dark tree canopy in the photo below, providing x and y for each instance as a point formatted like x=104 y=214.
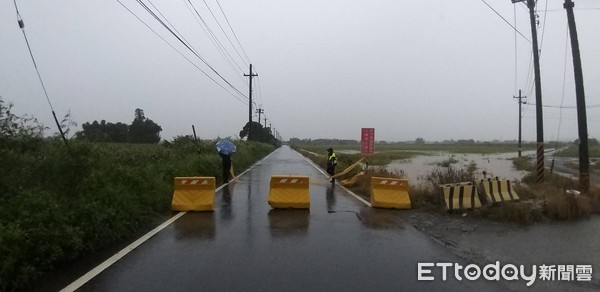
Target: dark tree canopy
x=141 y=130
x=259 y=134
x=144 y=131
x=103 y=132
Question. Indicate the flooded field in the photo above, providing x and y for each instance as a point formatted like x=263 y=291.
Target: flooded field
x=500 y=165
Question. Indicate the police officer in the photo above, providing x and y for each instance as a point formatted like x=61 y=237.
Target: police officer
x=331 y=162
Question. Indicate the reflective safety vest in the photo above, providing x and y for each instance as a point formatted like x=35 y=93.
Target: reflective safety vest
x=331 y=158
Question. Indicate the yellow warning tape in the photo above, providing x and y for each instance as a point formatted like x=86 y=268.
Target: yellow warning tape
x=349 y=168
x=344 y=172
x=353 y=180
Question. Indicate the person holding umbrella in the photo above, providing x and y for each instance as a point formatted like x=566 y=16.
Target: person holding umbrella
x=226 y=148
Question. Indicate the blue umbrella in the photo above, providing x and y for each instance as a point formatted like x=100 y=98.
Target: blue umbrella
x=226 y=147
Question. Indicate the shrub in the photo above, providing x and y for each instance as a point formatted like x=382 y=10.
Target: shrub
x=58 y=203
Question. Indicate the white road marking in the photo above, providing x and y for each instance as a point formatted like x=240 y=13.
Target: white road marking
x=110 y=261
x=327 y=175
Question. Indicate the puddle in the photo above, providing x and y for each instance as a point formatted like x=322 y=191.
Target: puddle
x=500 y=165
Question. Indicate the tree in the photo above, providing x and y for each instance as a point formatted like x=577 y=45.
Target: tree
x=260 y=134
x=103 y=132
x=143 y=130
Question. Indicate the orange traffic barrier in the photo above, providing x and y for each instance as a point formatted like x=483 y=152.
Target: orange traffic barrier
x=390 y=193
x=193 y=194
x=288 y=191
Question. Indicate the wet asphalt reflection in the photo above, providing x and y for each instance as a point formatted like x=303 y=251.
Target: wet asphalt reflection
x=339 y=244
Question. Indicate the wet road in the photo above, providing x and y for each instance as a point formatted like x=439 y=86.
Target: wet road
x=244 y=245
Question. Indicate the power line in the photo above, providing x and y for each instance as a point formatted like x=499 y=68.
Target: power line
x=198 y=18
x=181 y=54
x=488 y=5
x=188 y=47
x=566 y=107
x=231 y=28
x=22 y=26
x=213 y=36
x=224 y=33
x=562 y=99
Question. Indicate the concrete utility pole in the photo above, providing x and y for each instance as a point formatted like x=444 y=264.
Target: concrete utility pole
x=260 y=111
x=538 y=92
x=520 y=100
x=584 y=159
x=250 y=103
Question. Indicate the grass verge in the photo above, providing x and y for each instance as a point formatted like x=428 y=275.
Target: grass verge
x=57 y=204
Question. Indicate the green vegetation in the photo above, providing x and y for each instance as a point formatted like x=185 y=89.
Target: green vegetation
x=58 y=203
x=141 y=130
x=259 y=134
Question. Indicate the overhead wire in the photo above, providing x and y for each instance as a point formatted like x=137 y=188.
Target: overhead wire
x=516 y=51
x=22 y=26
x=224 y=33
x=180 y=53
x=506 y=21
x=562 y=99
x=203 y=25
x=212 y=35
x=232 y=31
x=543 y=27
x=188 y=47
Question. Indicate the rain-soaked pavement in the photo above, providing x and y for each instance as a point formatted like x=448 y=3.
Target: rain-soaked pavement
x=341 y=244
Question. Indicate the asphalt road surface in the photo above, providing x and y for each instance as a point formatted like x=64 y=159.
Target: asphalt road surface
x=340 y=244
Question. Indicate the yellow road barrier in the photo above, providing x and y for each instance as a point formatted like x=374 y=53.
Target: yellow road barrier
x=288 y=191
x=390 y=193
x=193 y=194
x=498 y=190
x=460 y=196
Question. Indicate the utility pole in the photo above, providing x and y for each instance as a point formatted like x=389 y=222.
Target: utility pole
x=260 y=111
x=538 y=92
x=250 y=103
x=520 y=100
x=584 y=159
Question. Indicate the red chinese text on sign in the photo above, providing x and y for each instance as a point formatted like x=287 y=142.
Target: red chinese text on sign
x=367 y=141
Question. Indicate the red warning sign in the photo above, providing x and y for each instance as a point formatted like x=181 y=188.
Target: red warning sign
x=367 y=141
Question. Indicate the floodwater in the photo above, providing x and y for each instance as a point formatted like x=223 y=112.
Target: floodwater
x=500 y=165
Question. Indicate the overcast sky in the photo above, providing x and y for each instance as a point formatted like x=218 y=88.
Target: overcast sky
x=432 y=69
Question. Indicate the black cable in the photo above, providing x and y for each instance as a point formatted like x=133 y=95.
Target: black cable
x=217 y=45
x=181 y=54
x=488 y=5
x=22 y=26
x=222 y=30
x=180 y=34
x=212 y=35
x=234 y=35
x=188 y=47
